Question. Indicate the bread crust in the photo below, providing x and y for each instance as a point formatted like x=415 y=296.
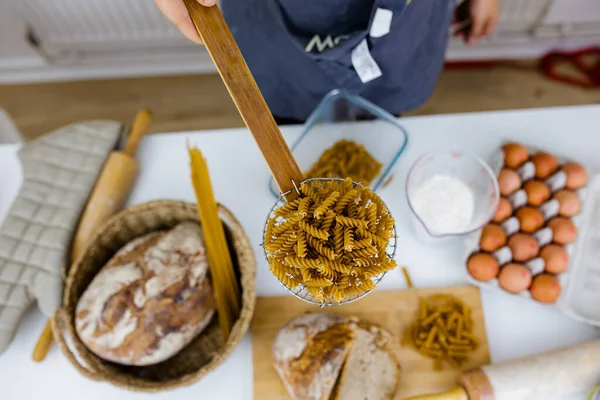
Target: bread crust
x=150 y=300
x=309 y=352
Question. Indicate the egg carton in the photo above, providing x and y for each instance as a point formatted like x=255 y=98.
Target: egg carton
x=580 y=283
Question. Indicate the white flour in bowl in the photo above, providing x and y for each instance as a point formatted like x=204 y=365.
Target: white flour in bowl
x=444 y=204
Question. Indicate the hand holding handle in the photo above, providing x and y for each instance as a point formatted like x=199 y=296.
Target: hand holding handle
x=244 y=91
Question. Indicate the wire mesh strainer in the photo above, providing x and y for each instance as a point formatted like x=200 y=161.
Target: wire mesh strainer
x=300 y=291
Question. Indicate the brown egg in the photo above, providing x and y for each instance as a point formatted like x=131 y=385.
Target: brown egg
x=483 y=267
x=545 y=165
x=570 y=203
x=530 y=219
x=576 y=175
x=515 y=154
x=523 y=247
x=492 y=238
x=563 y=230
x=503 y=211
x=556 y=258
x=545 y=288
x=537 y=192
x=514 y=278
x=509 y=181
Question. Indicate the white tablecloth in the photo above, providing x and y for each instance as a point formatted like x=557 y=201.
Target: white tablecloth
x=515 y=327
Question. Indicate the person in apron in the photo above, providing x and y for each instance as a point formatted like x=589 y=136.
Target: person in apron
x=390 y=52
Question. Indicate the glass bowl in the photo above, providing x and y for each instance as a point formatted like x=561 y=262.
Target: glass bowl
x=364 y=123
x=468 y=169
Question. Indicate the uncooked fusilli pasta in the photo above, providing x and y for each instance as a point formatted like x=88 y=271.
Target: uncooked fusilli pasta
x=332 y=241
x=344 y=159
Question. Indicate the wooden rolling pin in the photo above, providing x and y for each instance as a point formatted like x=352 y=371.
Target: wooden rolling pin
x=541 y=376
x=109 y=196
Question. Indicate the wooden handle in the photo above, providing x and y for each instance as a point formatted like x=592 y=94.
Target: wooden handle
x=457 y=393
x=242 y=87
x=108 y=197
x=43 y=344
x=138 y=130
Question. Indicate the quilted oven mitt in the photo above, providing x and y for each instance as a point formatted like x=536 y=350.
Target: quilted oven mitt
x=59 y=173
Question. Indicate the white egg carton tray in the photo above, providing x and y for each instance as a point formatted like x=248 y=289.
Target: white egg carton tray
x=580 y=294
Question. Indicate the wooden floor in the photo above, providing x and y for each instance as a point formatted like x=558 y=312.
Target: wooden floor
x=201 y=101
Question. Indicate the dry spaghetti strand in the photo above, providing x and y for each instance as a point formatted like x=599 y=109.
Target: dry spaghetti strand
x=225 y=284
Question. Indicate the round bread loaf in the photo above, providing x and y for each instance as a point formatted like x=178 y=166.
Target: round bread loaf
x=150 y=300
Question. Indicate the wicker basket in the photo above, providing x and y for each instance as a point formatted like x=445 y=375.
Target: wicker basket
x=197 y=359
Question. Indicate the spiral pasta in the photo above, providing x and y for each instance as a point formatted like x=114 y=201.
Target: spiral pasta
x=346 y=199
x=362 y=243
x=280 y=271
x=365 y=253
x=442 y=331
x=310 y=192
x=351 y=222
x=320 y=282
x=303 y=207
x=291 y=206
x=284 y=226
x=372 y=217
x=301 y=245
x=326 y=205
x=321 y=248
x=332 y=241
x=313 y=231
x=302 y=262
x=344 y=159
x=328 y=221
x=291 y=240
x=338 y=239
x=326 y=272
x=348 y=239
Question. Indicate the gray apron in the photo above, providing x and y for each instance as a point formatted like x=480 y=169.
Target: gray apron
x=387 y=51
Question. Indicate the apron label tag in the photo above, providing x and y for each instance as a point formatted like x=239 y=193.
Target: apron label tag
x=382 y=21
x=364 y=64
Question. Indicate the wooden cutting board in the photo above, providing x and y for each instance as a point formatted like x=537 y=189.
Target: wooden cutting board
x=393 y=310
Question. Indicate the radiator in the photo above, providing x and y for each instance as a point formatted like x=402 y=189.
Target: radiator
x=75 y=30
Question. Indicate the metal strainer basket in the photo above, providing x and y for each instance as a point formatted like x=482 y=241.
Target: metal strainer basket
x=300 y=291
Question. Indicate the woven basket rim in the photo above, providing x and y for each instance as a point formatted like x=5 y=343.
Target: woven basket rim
x=130 y=382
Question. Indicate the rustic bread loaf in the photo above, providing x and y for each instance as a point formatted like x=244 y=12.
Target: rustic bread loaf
x=309 y=352
x=150 y=300
x=371 y=370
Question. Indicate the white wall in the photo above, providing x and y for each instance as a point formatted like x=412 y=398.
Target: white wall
x=574 y=10
x=15 y=52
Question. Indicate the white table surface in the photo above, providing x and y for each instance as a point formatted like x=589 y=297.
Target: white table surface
x=515 y=327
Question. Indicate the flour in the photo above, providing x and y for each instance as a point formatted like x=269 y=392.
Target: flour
x=444 y=204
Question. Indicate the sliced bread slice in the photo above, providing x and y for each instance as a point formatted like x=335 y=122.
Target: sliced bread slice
x=371 y=371
x=309 y=352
